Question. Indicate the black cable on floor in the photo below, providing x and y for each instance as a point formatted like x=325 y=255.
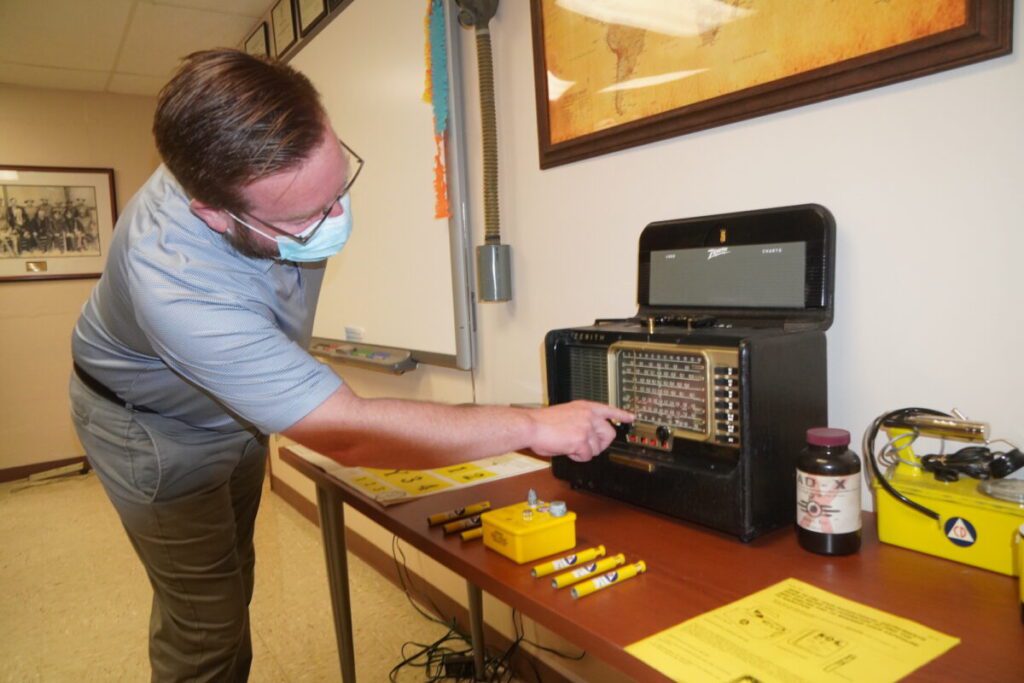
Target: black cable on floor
x=403 y=574
x=557 y=653
x=440 y=661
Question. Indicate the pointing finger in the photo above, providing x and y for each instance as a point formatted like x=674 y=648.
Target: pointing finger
x=612 y=413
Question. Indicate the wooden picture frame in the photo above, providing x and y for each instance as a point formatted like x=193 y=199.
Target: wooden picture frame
x=282 y=21
x=56 y=223
x=258 y=42
x=309 y=13
x=590 y=103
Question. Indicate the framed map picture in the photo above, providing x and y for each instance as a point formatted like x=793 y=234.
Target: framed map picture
x=56 y=223
x=611 y=75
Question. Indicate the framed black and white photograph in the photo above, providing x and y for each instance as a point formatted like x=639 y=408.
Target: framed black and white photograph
x=310 y=12
x=258 y=42
x=56 y=223
x=282 y=20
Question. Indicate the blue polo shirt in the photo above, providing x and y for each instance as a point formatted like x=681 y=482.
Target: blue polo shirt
x=183 y=324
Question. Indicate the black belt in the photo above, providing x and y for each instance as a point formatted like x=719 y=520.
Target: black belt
x=99 y=388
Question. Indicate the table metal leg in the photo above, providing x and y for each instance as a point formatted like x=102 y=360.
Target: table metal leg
x=476 y=627
x=332 y=527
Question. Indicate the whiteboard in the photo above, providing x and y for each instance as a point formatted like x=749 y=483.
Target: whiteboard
x=402 y=280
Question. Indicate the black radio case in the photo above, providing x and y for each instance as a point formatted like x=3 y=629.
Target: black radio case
x=725 y=455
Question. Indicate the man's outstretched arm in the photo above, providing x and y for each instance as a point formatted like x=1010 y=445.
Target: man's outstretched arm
x=395 y=433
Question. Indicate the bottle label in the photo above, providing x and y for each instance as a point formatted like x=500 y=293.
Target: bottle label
x=828 y=505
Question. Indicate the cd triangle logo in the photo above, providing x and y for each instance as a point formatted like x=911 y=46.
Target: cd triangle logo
x=961 y=532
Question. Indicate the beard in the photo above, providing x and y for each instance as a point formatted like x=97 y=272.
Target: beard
x=247 y=244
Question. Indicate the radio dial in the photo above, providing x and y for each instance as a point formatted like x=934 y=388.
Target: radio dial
x=663 y=433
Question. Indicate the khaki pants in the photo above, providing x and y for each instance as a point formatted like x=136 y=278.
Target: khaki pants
x=188 y=501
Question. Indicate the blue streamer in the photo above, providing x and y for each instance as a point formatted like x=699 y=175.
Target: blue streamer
x=439 y=67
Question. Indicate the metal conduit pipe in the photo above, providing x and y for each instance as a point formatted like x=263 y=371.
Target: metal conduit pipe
x=494 y=261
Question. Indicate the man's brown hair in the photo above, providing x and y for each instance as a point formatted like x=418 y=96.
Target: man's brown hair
x=228 y=118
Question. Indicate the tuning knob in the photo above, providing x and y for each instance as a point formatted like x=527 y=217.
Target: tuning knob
x=622 y=430
x=664 y=433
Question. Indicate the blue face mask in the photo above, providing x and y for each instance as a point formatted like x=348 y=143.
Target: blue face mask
x=326 y=242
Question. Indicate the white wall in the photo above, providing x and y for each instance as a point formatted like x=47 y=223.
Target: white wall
x=926 y=182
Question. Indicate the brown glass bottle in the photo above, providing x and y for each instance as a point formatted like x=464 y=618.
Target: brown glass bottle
x=828 y=494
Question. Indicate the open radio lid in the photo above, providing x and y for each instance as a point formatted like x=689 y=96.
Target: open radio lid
x=764 y=268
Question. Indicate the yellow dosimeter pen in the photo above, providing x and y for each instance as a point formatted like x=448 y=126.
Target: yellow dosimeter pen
x=457 y=513
x=568 y=561
x=461 y=524
x=609 y=579
x=599 y=567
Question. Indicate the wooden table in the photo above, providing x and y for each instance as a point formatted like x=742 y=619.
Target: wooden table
x=691 y=570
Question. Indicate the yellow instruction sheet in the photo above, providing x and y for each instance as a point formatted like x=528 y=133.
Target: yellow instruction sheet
x=389 y=487
x=792 y=632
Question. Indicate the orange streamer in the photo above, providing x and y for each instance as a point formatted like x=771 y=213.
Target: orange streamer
x=441 y=208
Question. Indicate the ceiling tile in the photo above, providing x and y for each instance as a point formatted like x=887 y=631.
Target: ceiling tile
x=130 y=84
x=160 y=35
x=53 y=78
x=68 y=33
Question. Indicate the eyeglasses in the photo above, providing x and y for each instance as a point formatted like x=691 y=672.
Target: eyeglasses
x=352 y=161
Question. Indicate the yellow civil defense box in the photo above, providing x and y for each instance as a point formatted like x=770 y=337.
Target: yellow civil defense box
x=522 y=532
x=973 y=528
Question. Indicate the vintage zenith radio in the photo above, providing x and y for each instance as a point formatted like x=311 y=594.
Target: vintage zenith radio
x=723 y=366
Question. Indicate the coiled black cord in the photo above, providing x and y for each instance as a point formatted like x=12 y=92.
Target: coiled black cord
x=978 y=462
x=869 y=453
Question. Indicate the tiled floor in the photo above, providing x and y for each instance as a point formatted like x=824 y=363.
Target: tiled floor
x=74 y=600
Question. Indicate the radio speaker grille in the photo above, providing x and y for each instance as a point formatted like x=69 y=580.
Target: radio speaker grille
x=588 y=372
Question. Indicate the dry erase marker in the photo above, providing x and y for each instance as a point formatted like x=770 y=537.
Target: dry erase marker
x=474 y=509
x=462 y=524
x=599 y=567
x=568 y=561
x=477 y=532
x=609 y=579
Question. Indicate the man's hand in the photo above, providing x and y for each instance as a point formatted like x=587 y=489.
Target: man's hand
x=579 y=429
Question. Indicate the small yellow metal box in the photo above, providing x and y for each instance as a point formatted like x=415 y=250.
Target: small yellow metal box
x=973 y=528
x=523 y=533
